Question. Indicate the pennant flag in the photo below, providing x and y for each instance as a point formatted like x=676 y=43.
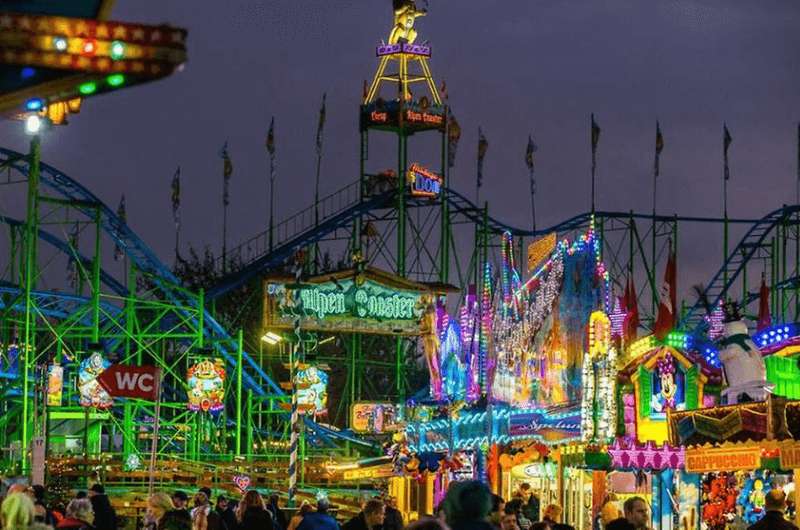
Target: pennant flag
x=659 y=148
x=764 y=318
x=453 y=136
x=667 y=309
x=321 y=125
x=123 y=216
x=632 y=309
x=227 y=171
x=176 y=197
x=483 y=146
x=443 y=90
x=271 y=137
x=532 y=148
x=726 y=143
x=595 y=135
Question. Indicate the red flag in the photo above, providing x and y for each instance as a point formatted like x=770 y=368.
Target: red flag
x=632 y=307
x=667 y=309
x=764 y=318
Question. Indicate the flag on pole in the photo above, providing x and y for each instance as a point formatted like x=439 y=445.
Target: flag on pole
x=176 y=197
x=321 y=125
x=532 y=148
x=453 y=136
x=595 y=135
x=631 y=332
x=271 y=137
x=123 y=216
x=483 y=146
x=667 y=310
x=726 y=143
x=227 y=171
x=659 y=148
x=764 y=318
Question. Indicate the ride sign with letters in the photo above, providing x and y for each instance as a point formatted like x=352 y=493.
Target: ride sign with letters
x=131 y=381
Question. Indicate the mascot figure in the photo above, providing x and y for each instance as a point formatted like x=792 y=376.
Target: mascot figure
x=743 y=365
x=405 y=13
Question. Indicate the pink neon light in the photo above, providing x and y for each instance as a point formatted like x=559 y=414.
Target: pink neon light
x=648 y=456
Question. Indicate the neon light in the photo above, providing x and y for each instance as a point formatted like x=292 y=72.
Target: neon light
x=117 y=51
x=115 y=80
x=411 y=49
x=34 y=104
x=88 y=88
x=423 y=117
x=60 y=44
x=424 y=182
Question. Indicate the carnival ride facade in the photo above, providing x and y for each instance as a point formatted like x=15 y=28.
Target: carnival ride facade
x=540 y=379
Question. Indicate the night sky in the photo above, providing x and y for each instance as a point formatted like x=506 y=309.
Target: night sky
x=534 y=66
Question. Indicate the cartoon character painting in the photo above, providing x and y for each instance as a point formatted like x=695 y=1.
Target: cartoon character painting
x=668 y=386
x=91 y=393
x=206 y=382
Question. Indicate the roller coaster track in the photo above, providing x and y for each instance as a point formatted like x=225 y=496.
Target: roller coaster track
x=344 y=206
x=146 y=261
x=736 y=261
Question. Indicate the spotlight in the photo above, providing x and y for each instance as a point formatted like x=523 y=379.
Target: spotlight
x=33 y=124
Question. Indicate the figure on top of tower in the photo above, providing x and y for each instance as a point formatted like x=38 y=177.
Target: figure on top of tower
x=405 y=13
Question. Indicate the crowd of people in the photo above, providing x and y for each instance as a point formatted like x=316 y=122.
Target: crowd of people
x=468 y=505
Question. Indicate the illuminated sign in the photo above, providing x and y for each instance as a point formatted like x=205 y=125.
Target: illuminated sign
x=206 y=386
x=424 y=182
x=424 y=116
x=404 y=47
x=374 y=418
x=91 y=393
x=702 y=460
x=536 y=423
x=345 y=305
x=312 y=390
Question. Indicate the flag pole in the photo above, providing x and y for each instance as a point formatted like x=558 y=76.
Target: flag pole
x=533 y=200
x=154 y=445
x=726 y=140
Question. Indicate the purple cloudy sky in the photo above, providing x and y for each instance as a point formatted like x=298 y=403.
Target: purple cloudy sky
x=537 y=66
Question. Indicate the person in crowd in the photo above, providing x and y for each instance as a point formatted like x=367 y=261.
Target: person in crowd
x=105 y=518
x=305 y=507
x=635 y=516
x=172 y=517
x=79 y=516
x=609 y=512
x=514 y=507
x=17 y=513
x=41 y=513
x=278 y=517
x=370 y=518
x=226 y=512
x=497 y=511
x=393 y=520
x=180 y=500
x=530 y=502
x=467 y=505
x=775 y=507
x=81 y=495
x=320 y=519
x=203 y=517
x=158 y=504
x=251 y=514
x=428 y=523
x=508 y=522
x=552 y=518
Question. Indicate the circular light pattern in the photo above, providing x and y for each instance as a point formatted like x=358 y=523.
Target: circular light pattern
x=33 y=124
x=88 y=88
x=89 y=47
x=117 y=50
x=60 y=44
x=34 y=104
x=115 y=80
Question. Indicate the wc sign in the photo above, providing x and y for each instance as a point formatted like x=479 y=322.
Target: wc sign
x=424 y=182
x=141 y=382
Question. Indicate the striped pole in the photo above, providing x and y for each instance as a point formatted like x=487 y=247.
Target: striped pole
x=294 y=352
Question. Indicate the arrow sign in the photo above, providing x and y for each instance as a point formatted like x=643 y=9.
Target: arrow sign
x=131 y=381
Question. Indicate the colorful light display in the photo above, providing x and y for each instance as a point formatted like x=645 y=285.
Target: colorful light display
x=206 y=382
x=375 y=418
x=312 y=393
x=91 y=393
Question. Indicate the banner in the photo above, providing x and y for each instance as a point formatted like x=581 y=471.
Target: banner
x=705 y=460
x=375 y=418
x=55 y=385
